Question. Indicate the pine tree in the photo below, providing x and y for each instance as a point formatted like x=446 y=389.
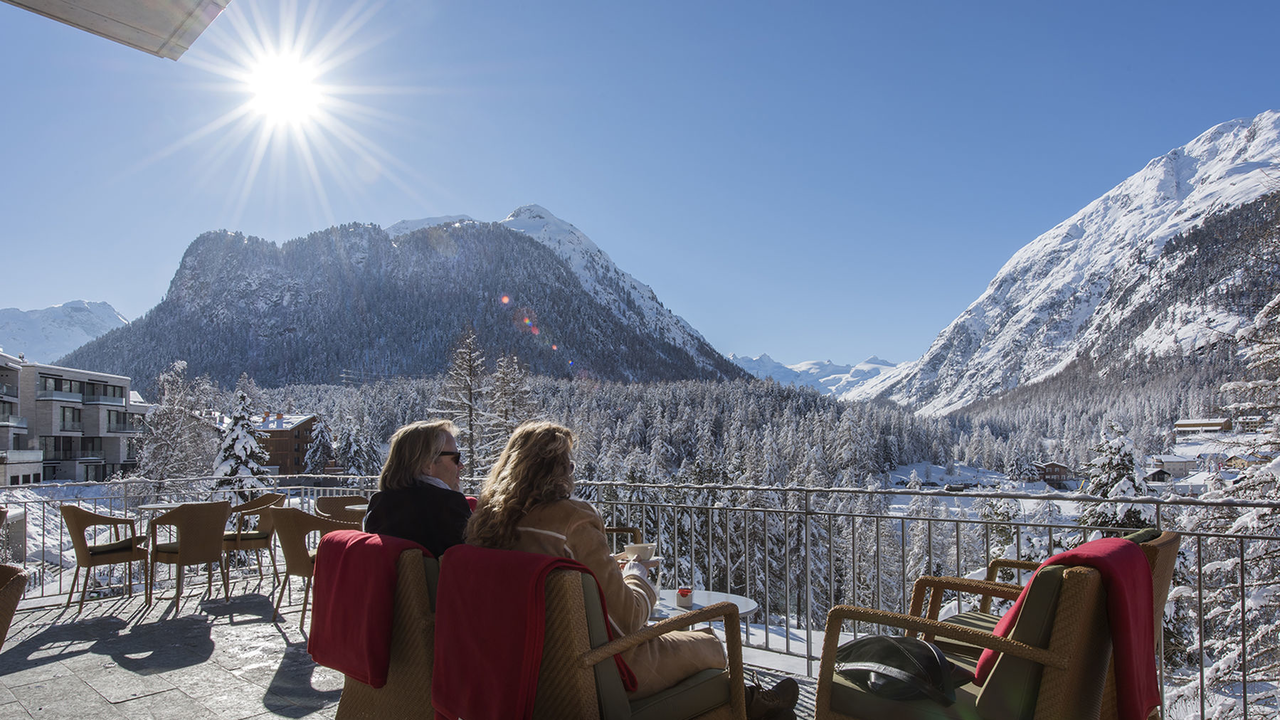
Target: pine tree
x=1112 y=476
x=465 y=397
x=356 y=450
x=240 y=457
x=320 y=453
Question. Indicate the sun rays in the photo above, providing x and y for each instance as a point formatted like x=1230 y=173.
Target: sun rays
x=298 y=123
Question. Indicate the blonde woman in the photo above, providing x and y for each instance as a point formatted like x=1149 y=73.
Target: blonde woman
x=527 y=504
x=419 y=494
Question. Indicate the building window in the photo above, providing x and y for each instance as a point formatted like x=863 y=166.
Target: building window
x=297 y=434
x=35 y=477
x=71 y=420
x=13 y=479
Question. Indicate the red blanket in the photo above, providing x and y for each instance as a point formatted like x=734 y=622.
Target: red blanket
x=490 y=612
x=1127 y=578
x=355 y=588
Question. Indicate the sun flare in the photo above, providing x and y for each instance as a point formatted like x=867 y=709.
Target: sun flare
x=284 y=89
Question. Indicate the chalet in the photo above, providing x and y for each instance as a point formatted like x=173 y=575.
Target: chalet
x=287 y=439
x=1159 y=475
x=1202 y=426
x=1249 y=423
x=1176 y=465
x=1057 y=476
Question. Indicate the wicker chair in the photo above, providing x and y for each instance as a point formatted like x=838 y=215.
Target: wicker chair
x=292 y=528
x=121 y=550
x=259 y=538
x=1053 y=665
x=1161 y=550
x=13 y=581
x=199 y=528
x=578 y=679
x=337 y=508
x=408 y=690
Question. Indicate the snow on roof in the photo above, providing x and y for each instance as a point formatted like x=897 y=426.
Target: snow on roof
x=279 y=421
x=1171 y=458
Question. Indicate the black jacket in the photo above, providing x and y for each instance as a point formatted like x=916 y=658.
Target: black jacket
x=428 y=515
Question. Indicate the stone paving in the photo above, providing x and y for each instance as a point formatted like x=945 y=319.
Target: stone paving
x=215 y=659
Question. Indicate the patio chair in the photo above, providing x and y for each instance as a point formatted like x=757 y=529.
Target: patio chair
x=256 y=539
x=408 y=689
x=121 y=550
x=1052 y=666
x=198 y=539
x=13 y=581
x=292 y=528
x=1161 y=550
x=336 y=507
x=578 y=678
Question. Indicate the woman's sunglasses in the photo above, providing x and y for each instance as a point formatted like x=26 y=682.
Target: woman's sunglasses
x=457 y=456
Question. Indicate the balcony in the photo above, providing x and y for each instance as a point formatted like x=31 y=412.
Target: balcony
x=60 y=455
x=103 y=400
x=59 y=395
x=8 y=390
x=71 y=426
x=124 y=427
x=14 y=421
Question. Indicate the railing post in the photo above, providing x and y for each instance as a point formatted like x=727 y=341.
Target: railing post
x=808 y=583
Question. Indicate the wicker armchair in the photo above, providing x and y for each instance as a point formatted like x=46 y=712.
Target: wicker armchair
x=13 y=581
x=258 y=538
x=408 y=690
x=337 y=508
x=122 y=550
x=1052 y=666
x=578 y=679
x=199 y=528
x=292 y=528
x=1161 y=550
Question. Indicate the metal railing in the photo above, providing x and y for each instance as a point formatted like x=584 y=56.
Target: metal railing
x=798 y=552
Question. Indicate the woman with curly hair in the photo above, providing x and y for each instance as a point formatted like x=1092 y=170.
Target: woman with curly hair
x=527 y=504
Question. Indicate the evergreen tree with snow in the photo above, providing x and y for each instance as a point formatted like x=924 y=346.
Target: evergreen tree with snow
x=465 y=397
x=179 y=437
x=320 y=453
x=355 y=449
x=240 y=457
x=1111 y=475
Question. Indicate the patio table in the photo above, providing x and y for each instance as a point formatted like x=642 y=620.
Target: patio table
x=667 y=607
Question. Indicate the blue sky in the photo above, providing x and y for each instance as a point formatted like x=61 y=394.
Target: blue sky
x=812 y=180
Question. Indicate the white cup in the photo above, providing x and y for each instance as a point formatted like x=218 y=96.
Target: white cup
x=641 y=551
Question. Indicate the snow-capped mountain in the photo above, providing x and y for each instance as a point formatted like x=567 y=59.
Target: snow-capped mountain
x=824 y=376
x=48 y=334
x=1107 y=281
x=631 y=300
x=354 y=300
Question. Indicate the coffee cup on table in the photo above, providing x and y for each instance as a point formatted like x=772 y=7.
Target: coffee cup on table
x=640 y=551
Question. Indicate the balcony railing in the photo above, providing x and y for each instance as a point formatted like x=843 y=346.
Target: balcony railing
x=103 y=400
x=59 y=395
x=13 y=421
x=62 y=454
x=800 y=551
x=8 y=390
x=124 y=427
x=71 y=426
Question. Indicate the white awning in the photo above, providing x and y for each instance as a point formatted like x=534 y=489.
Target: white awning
x=165 y=28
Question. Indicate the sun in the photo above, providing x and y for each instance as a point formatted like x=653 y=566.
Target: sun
x=284 y=89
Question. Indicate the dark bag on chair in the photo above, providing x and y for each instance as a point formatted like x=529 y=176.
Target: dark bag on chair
x=901 y=668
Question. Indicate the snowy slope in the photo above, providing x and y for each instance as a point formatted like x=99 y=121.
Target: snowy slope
x=824 y=376
x=404 y=227
x=631 y=300
x=48 y=334
x=1063 y=292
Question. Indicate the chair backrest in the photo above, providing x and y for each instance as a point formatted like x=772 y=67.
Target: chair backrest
x=13 y=582
x=336 y=507
x=200 y=527
x=1065 y=612
x=566 y=690
x=256 y=507
x=408 y=689
x=292 y=527
x=77 y=520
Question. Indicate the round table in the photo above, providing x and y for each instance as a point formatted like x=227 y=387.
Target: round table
x=667 y=607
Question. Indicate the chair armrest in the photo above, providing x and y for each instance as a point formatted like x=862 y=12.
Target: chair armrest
x=995 y=566
x=100 y=519
x=733 y=645
x=840 y=613
x=937 y=584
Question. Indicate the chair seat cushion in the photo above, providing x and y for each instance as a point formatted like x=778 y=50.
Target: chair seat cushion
x=972 y=619
x=167 y=547
x=690 y=698
x=125 y=545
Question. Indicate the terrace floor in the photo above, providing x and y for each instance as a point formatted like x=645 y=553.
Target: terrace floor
x=216 y=659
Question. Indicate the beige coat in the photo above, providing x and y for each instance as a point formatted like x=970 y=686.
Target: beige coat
x=573 y=529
